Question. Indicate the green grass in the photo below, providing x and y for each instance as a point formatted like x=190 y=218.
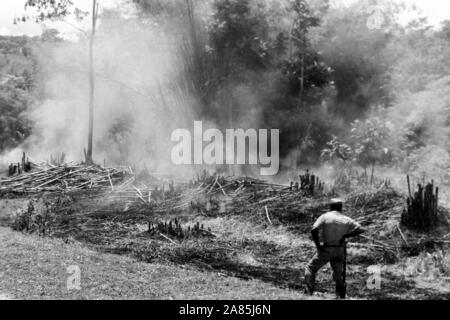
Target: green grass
x=36 y=268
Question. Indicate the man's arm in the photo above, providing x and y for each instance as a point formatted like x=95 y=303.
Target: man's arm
x=315 y=237
x=356 y=232
x=315 y=233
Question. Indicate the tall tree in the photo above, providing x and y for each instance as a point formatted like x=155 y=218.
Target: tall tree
x=60 y=10
x=18 y=69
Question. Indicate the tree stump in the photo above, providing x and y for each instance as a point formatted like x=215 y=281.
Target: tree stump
x=421 y=212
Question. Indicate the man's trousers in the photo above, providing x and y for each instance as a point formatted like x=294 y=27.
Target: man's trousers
x=336 y=257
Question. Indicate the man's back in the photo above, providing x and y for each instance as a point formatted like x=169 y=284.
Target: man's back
x=334 y=226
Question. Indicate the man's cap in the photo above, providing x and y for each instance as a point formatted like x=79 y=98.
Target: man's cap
x=336 y=201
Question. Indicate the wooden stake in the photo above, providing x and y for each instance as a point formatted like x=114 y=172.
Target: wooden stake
x=110 y=182
x=402 y=235
x=267 y=215
x=409 y=186
x=167 y=238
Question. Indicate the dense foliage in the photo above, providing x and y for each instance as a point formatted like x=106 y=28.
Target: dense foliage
x=17 y=78
x=322 y=74
x=333 y=83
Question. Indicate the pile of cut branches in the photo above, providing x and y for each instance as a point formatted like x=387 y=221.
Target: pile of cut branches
x=213 y=195
x=63 y=178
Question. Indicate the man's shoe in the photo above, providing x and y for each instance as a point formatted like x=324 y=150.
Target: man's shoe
x=341 y=291
x=309 y=290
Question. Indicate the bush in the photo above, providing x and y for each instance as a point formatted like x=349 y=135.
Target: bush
x=22 y=220
x=37 y=218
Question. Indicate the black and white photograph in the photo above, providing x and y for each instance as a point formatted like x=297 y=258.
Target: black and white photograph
x=245 y=152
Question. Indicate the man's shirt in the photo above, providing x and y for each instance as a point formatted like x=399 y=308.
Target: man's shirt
x=334 y=226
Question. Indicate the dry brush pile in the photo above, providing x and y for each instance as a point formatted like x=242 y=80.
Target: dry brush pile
x=63 y=178
x=111 y=191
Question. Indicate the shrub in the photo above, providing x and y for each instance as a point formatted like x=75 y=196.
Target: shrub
x=37 y=218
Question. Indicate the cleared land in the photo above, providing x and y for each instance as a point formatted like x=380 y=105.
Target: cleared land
x=243 y=239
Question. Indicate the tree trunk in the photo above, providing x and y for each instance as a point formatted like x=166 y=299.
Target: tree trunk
x=91 y=83
x=194 y=41
x=421 y=212
x=372 y=173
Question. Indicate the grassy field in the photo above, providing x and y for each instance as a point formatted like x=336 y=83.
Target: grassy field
x=36 y=268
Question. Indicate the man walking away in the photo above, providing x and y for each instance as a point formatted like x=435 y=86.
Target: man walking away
x=335 y=229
